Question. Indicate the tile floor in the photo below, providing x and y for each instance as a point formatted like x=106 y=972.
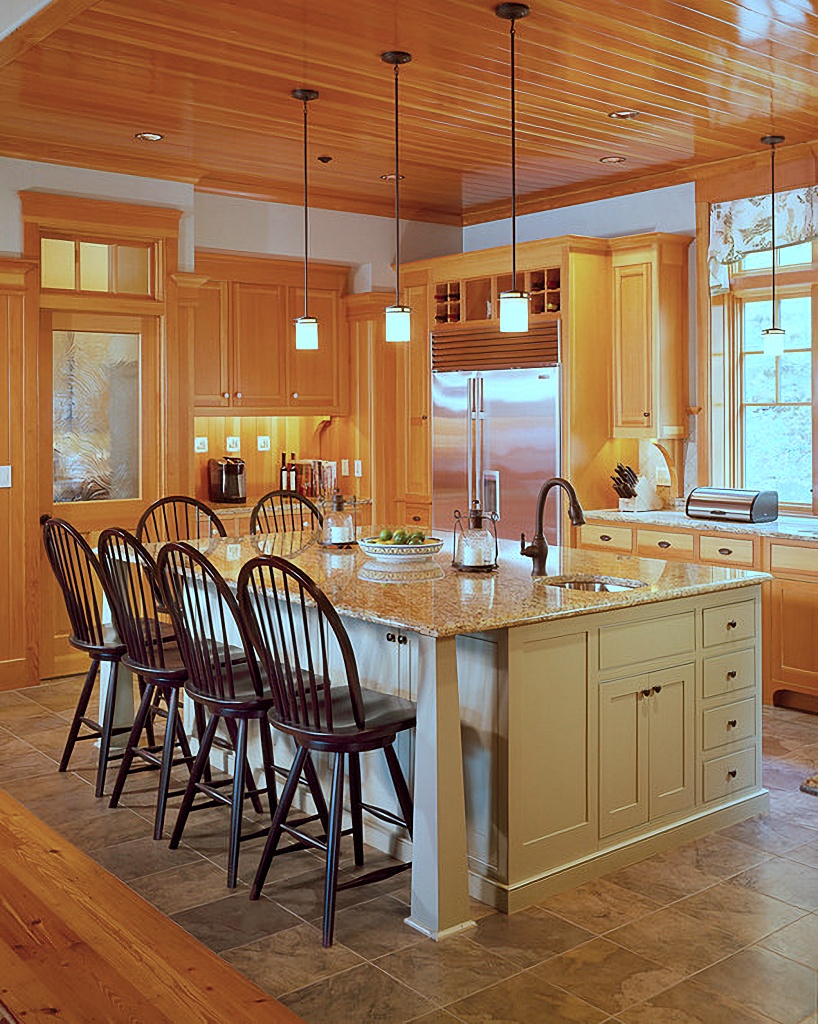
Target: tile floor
x=723 y=930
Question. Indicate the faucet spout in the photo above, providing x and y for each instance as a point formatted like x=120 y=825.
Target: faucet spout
x=537 y=550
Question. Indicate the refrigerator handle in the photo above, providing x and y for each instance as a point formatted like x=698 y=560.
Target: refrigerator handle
x=470 y=439
x=480 y=441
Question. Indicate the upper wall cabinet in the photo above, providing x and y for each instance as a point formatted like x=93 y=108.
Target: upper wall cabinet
x=245 y=358
x=649 y=335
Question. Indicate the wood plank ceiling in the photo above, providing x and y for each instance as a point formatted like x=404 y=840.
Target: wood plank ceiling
x=707 y=76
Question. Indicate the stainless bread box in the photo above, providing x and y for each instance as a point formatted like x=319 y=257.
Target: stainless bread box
x=736 y=506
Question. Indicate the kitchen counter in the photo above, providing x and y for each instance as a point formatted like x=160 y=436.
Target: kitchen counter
x=458 y=602
x=783 y=528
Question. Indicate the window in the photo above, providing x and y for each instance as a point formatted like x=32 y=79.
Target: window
x=69 y=264
x=762 y=412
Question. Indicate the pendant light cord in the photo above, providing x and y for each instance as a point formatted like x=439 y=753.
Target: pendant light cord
x=513 y=165
x=306 y=218
x=772 y=222
x=397 y=194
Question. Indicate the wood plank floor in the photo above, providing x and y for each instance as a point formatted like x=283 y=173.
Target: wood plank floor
x=78 y=946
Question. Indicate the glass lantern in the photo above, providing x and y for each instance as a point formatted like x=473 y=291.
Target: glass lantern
x=475 y=540
x=338 y=529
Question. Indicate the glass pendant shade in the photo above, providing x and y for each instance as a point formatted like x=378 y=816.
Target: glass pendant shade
x=513 y=311
x=398 y=323
x=306 y=333
x=772 y=340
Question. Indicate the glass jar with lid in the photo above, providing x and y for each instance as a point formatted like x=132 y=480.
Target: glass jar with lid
x=475 y=540
x=338 y=529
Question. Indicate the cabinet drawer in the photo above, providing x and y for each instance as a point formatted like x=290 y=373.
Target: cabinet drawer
x=624 y=645
x=729 y=622
x=730 y=722
x=418 y=514
x=618 y=538
x=789 y=558
x=727 y=550
x=728 y=774
x=729 y=672
x=664 y=544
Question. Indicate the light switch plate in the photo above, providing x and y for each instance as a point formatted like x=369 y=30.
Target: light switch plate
x=344 y=467
x=359 y=469
x=5 y=476
x=200 y=444
x=263 y=442
x=233 y=444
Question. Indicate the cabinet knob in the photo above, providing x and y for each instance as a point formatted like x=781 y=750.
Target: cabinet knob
x=732 y=624
x=646 y=693
x=731 y=674
x=732 y=723
x=295 y=394
x=646 y=415
x=415 y=519
x=604 y=536
x=225 y=394
x=402 y=639
x=725 y=551
x=732 y=773
x=656 y=689
x=663 y=544
x=390 y=637
x=424 y=417
x=239 y=394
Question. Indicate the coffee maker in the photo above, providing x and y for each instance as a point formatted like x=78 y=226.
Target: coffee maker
x=227 y=480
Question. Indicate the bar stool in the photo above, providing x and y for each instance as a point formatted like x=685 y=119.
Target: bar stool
x=153 y=657
x=78 y=574
x=304 y=648
x=178 y=517
x=223 y=677
x=284 y=511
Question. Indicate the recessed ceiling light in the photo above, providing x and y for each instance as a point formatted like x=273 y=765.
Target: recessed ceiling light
x=391 y=176
x=623 y=115
x=612 y=159
x=149 y=136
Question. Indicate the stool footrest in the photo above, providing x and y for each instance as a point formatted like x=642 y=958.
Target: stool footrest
x=374 y=876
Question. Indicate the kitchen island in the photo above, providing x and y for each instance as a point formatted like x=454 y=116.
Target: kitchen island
x=560 y=733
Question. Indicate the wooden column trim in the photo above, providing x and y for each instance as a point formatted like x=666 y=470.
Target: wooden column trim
x=180 y=322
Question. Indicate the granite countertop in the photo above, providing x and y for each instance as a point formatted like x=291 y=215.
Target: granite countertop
x=456 y=602
x=784 y=528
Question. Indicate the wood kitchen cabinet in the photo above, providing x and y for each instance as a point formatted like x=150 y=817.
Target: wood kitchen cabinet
x=649 y=335
x=792 y=662
x=244 y=356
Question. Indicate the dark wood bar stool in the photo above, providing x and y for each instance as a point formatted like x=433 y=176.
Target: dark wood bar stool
x=304 y=650
x=224 y=677
x=153 y=656
x=284 y=511
x=178 y=517
x=78 y=574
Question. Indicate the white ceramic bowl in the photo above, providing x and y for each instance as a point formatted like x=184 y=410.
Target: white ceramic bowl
x=397 y=553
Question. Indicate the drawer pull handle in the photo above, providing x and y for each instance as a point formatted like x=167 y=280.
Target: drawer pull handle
x=402 y=639
x=732 y=624
x=646 y=693
x=725 y=551
x=731 y=674
x=732 y=723
x=732 y=773
x=604 y=536
x=663 y=544
x=390 y=638
x=656 y=689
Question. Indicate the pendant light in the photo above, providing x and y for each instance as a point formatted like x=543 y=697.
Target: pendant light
x=513 y=303
x=773 y=336
x=398 y=325
x=306 y=326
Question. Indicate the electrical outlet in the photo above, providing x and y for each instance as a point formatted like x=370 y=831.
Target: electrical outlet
x=344 y=467
x=359 y=469
x=233 y=552
x=263 y=443
x=233 y=444
x=5 y=476
x=200 y=444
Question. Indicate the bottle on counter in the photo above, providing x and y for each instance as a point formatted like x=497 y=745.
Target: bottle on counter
x=284 y=474
x=292 y=472
x=339 y=527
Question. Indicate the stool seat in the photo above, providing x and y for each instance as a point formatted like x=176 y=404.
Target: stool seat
x=385 y=715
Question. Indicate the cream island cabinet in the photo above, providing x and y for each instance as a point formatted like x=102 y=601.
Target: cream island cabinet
x=560 y=732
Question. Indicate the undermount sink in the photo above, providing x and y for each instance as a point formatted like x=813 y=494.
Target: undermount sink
x=597 y=584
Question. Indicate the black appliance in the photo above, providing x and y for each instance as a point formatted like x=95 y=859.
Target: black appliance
x=227 y=480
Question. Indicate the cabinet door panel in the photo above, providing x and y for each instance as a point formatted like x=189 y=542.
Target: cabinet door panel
x=633 y=347
x=418 y=399
x=259 y=340
x=623 y=755
x=313 y=375
x=670 y=713
x=794 y=613
x=210 y=346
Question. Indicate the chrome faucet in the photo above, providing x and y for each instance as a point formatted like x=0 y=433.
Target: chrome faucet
x=538 y=548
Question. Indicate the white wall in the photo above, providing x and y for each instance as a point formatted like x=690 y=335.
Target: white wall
x=364 y=242
x=670 y=209
x=26 y=175
x=14 y=12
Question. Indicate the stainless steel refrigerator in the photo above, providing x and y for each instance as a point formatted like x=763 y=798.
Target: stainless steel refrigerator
x=496 y=437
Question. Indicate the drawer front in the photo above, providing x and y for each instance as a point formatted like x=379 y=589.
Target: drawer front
x=620 y=646
x=660 y=544
x=729 y=622
x=729 y=774
x=617 y=538
x=788 y=558
x=418 y=515
x=726 y=550
x=729 y=672
x=729 y=723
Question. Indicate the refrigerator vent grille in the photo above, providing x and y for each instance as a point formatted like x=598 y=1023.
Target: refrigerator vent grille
x=470 y=346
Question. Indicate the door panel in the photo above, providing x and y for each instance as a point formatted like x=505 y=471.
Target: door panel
x=211 y=386
x=670 y=710
x=451 y=443
x=259 y=340
x=623 y=755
